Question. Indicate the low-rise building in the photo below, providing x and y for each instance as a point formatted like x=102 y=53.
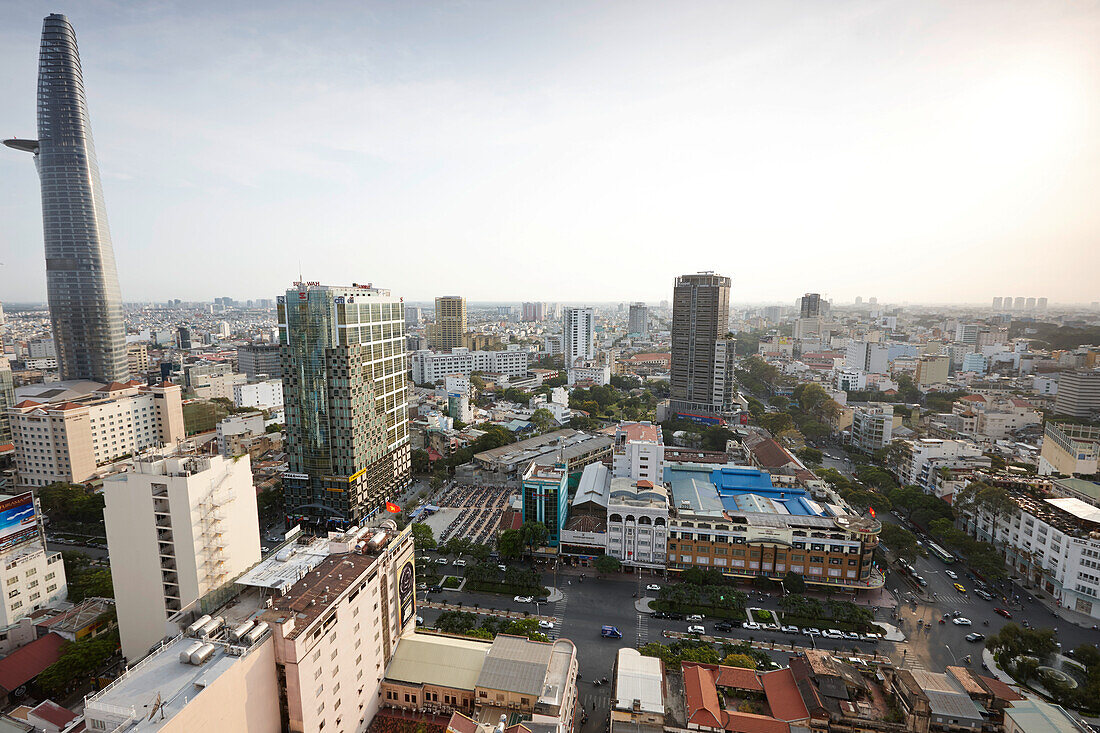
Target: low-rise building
x=236 y=431
x=637 y=522
x=259 y=394
x=33 y=577
x=873 y=425
x=638 y=705
x=429 y=367
x=1069 y=450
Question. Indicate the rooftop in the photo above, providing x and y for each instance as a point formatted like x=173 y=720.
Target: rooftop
x=308 y=598
x=516 y=664
x=639 y=678
x=128 y=701
x=438 y=660
x=1035 y=716
x=594 y=485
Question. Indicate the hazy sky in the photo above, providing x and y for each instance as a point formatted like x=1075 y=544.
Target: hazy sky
x=570 y=151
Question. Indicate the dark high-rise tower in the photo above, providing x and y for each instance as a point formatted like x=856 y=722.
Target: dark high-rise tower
x=81 y=279
x=810 y=305
x=701 y=379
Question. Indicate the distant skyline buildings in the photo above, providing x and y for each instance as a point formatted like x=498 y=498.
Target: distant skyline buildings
x=578 y=335
x=701 y=378
x=81 y=277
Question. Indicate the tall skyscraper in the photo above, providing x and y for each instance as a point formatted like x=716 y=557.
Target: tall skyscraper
x=997 y=303
x=1030 y=304
x=639 y=319
x=347 y=434
x=449 y=329
x=578 y=335
x=810 y=305
x=534 y=312
x=1042 y=304
x=1020 y=301
x=702 y=356
x=81 y=279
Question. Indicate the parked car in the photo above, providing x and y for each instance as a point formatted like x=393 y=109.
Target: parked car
x=441 y=561
x=422 y=586
x=751 y=625
x=1002 y=612
x=696 y=629
x=724 y=626
x=961 y=621
x=983 y=594
x=851 y=635
x=502 y=568
x=653 y=586
x=833 y=634
x=812 y=632
x=673 y=616
x=959 y=587
x=695 y=617
x=951 y=574
x=546 y=624
x=611 y=632
x=975 y=637
x=870 y=637
x=424 y=558
x=436 y=589
x=459 y=563
x=921 y=580
x=790 y=629
x=524 y=599
x=660 y=614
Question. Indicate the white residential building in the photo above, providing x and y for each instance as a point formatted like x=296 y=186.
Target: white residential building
x=32 y=577
x=922 y=457
x=578 y=334
x=261 y=394
x=220 y=386
x=850 y=380
x=637 y=522
x=235 y=430
x=429 y=367
x=872 y=425
x=177 y=528
x=868 y=356
x=66 y=437
x=1054 y=543
x=600 y=375
x=638 y=452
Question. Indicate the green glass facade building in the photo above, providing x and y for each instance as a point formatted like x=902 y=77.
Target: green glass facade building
x=346 y=403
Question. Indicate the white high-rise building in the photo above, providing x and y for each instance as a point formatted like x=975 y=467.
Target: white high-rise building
x=578 y=334
x=639 y=452
x=868 y=356
x=178 y=527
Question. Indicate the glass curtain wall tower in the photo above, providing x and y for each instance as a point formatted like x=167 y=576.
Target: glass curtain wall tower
x=346 y=403
x=701 y=378
x=81 y=279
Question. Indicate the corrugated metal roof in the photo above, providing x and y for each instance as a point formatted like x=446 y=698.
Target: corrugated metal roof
x=438 y=660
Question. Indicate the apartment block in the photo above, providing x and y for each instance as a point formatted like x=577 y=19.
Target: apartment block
x=638 y=452
x=932 y=369
x=449 y=329
x=534 y=312
x=872 y=425
x=920 y=460
x=701 y=377
x=178 y=526
x=31 y=577
x=137 y=358
x=1069 y=450
x=259 y=394
x=578 y=335
x=867 y=356
x=1078 y=393
x=638 y=323
x=236 y=431
x=429 y=367
x=62 y=435
x=255 y=360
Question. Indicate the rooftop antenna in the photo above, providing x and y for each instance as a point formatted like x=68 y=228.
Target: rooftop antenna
x=300 y=270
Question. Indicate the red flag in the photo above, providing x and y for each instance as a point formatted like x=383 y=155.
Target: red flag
x=872 y=510
x=392 y=508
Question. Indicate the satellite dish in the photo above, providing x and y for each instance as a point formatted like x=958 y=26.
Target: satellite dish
x=157 y=705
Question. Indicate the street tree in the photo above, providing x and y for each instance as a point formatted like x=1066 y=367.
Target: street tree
x=605 y=564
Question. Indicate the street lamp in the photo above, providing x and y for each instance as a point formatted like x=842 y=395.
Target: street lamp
x=953 y=659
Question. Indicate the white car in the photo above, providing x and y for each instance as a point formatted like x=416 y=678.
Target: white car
x=653 y=586
x=546 y=624
x=961 y=621
x=951 y=574
x=459 y=563
x=696 y=630
x=851 y=635
x=441 y=561
x=752 y=625
x=695 y=617
x=523 y=599
x=790 y=629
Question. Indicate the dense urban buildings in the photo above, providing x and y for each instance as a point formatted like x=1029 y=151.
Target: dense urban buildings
x=81 y=278
x=1078 y=393
x=346 y=402
x=702 y=355
x=429 y=367
x=255 y=360
x=534 y=312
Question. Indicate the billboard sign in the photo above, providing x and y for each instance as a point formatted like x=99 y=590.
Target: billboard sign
x=18 y=521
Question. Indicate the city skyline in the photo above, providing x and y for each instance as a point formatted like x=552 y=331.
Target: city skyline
x=957 y=148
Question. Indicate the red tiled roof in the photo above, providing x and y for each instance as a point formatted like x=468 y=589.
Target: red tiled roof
x=645 y=484
x=750 y=723
x=1020 y=403
x=783 y=696
x=701 y=697
x=770 y=454
x=69 y=406
x=461 y=723
x=638 y=431
x=517 y=728
x=113 y=387
x=999 y=689
x=26 y=663
x=28 y=403
x=973 y=398
x=739 y=677
x=54 y=714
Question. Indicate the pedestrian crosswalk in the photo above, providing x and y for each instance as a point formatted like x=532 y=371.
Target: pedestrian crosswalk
x=596 y=700
x=559 y=611
x=643 y=629
x=913 y=663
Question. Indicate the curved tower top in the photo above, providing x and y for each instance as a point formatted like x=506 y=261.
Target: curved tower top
x=81 y=276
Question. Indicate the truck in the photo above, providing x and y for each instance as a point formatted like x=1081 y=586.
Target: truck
x=611 y=632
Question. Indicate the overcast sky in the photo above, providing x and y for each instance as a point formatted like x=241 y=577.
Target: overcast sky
x=569 y=151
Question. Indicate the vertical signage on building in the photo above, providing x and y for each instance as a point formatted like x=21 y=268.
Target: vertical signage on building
x=406 y=592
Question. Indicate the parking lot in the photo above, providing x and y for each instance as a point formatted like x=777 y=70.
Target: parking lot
x=480 y=509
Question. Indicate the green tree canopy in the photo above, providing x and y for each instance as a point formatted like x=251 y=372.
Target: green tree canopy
x=901 y=541
x=605 y=564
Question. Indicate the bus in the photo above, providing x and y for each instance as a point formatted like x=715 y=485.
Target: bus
x=941 y=553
